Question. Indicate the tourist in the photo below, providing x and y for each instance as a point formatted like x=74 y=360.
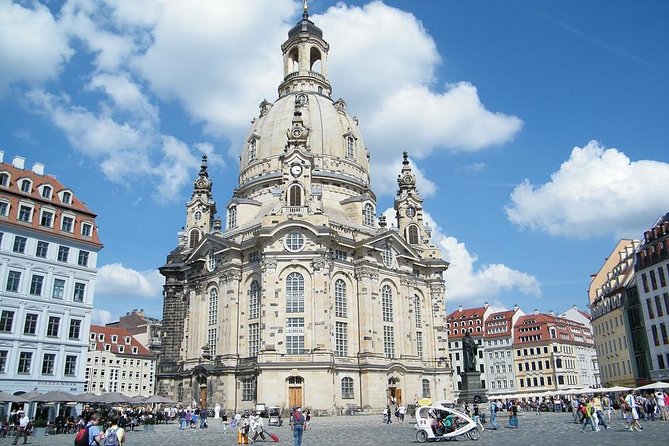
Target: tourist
x=575 y=404
x=513 y=415
x=296 y=425
x=402 y=411
x=257 y=426
x=477 y=418
x=588 y=411
x=22 y=430
x=661 y=405
x=630 y=403
x=224 y=420
x=95 y=435
x=597 y=403
x=493 y=414
x=607 y=406
x=114 y=431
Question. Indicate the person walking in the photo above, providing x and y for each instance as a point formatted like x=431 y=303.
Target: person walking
x=493 y=414
x=95 y=435
x=630 y=402
x=22 y=430
x=297 y=426
x=513 y=415
x=588 y=411
x=224 y=420
x=115 y=435
x=597 y=403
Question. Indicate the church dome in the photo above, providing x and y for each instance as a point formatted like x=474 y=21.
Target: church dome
x=307 y=119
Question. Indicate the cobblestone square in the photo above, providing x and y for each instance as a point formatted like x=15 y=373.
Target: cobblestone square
x=535 y=429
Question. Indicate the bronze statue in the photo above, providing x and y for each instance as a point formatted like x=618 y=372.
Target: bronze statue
x=469 y=348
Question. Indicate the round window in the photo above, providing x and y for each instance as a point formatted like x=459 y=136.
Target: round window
x=294 y=241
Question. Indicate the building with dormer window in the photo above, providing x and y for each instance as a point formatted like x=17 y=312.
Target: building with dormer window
x=305 y=298
x=49 y=244
x=118 y=362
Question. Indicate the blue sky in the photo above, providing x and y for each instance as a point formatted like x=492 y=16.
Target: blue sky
x=538 y=129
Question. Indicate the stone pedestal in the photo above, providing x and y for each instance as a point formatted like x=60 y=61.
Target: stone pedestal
x=471 y=390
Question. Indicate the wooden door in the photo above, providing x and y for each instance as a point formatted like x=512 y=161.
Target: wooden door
x=203 y=397
x=398 y=396
x=295 y=397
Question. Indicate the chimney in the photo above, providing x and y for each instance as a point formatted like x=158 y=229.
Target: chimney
x=551 y=313
x=515 y=307
x=485 y=305
x=536 y=311
x=19 y=162
x=460 y=308
x=38 y=168
x=574 y=307
x=2 y=156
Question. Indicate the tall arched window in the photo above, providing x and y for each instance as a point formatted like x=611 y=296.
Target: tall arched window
x=295 y=195
x=412 y=234
x=387 y=303
x=340 y=298
x=368 y=215
x=295 y=293
x=254 y=300
x=194 y=238
x=387 y=256
x=232 y=217
x=350 y=147
x=417 y=311
x=213 y=306
x=253 y=149
x=4 y=179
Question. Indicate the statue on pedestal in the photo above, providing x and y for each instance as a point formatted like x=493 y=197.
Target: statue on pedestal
x=469 y=349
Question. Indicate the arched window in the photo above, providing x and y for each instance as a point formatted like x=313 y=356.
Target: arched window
x=67 y=198
x=368 y=215
x=387 y=303
x=315 y=60
x=340 y=298
x=253 y=149
x=232 y=217
x=213 y=306
x=417 y=311
x=295 y=195
x=295 y=293
x=194 y=238
x=412 y=234
x=254 y=300
x=26 y=186
x=350 y=147
x=4 y=179
x=347 y=388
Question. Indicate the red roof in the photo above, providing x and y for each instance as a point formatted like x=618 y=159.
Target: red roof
x=460 y=319
x=13 y=194
x=121 y=335
x=498 y=325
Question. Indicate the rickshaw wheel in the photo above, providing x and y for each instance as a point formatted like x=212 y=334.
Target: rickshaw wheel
x=421 y=436
x=473 y=434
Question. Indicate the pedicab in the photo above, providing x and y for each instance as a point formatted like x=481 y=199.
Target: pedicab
x=439 y=421
x=275 y=416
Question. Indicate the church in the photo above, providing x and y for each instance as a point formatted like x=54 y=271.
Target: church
x=301 y=295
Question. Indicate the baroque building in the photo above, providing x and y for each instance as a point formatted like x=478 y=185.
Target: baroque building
x=304 y=297
x=498 y=341
x=49 y=245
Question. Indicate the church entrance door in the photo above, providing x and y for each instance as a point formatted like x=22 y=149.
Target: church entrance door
x=203 y=396
x=295 y=397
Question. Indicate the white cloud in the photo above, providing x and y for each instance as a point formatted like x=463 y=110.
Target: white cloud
x=390 y=85
x=469 y=284
x=115 y=279
x=101 y=317
x=33 y=48
x=597 y=191
x=384 y=178
x=219 y=60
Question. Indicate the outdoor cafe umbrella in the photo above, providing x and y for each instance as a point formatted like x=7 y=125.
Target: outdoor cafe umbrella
x=112 y=398
x=653 y=386
x=55 y=396
x=9 y=398
x=613 y=389
x=157 y=399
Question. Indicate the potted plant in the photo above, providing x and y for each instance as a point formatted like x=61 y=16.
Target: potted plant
x=149 y=424
x=39 y=427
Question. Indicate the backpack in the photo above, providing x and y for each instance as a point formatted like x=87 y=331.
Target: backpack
x=111 y=437
x=81 y=439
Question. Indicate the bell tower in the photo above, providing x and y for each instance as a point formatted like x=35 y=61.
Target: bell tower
x=201 y=208
x=305 y=59
x=409 y=210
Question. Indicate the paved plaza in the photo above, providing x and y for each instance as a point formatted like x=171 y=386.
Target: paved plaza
x=542 y=429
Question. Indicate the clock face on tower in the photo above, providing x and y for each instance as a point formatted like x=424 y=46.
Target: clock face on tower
x=296 y=170
x=411 y=212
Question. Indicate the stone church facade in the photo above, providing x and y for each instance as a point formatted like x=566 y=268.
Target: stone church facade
x=302 y=297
